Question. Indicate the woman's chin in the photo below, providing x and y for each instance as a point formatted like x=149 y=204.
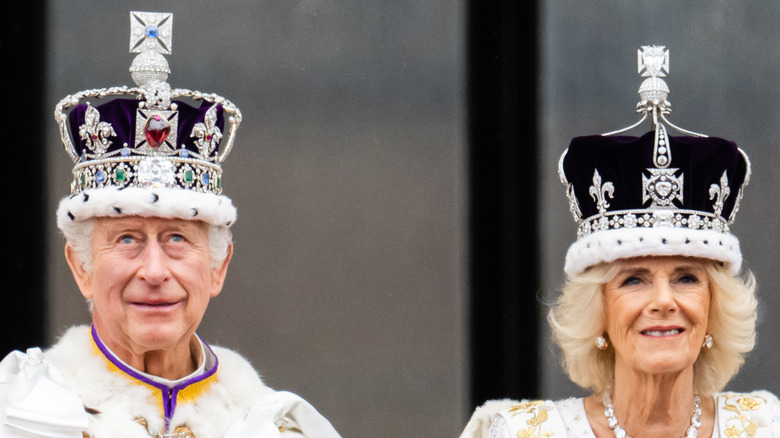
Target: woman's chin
x=660 y=364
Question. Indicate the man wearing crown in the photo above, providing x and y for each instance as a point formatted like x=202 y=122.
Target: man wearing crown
x=148 y=242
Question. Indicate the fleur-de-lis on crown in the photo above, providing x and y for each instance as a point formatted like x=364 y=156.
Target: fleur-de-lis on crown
x=94 y=132
x=599 y=192
x=574 y=206
x=207 y=133
x=721 y=192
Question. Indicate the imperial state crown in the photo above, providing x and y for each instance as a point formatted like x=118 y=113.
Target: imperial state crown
x=151 y=149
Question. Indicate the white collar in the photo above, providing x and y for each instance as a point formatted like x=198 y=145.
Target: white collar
x=206 y=355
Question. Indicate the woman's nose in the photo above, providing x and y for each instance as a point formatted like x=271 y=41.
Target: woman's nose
x=663 y=297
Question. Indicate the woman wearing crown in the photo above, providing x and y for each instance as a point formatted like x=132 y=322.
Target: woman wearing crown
x=656 y=315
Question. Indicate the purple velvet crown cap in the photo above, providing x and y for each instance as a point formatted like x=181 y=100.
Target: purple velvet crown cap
x=635 y=197
x=622 y=160
x=122 y=113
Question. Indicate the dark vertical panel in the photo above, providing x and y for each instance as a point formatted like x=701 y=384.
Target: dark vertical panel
x=502 y=82
x=22 y=45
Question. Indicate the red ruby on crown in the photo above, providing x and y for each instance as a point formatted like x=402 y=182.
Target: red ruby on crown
x=157 y=130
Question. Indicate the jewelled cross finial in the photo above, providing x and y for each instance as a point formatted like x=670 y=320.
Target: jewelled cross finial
x=151 y=31
x=653 y=61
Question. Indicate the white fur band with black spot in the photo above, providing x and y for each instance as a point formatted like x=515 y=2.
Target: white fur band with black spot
x=151 y=202
x=611 y=245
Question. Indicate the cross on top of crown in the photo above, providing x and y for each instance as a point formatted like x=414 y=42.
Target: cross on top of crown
x=151 y=31
x=653 y=61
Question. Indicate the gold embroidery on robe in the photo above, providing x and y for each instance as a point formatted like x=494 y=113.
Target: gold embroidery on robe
x=741 y=421
x=536 y=414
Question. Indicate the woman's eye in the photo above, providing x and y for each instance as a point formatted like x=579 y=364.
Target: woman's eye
x=689 y=278
x=631 y=281
x=177 y=238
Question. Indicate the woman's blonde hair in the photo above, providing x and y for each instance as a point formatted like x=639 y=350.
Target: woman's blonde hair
x=578 y=317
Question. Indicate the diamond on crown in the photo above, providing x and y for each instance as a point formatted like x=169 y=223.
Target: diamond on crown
x=156 y=172
x=653 y=61
x=662 y=187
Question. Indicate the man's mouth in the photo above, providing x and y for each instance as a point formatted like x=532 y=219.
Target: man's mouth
x=156 y=304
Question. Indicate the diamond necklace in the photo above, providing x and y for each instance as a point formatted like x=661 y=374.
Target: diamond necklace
x=612 y=421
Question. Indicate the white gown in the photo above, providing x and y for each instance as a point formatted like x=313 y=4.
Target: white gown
x=738 y=415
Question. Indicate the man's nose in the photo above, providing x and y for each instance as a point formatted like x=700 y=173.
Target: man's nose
x=153 y=263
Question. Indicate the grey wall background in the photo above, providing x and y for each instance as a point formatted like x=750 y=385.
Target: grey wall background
x=348 y=281
x=725 y=60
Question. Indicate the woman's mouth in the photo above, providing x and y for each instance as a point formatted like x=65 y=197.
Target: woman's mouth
x=662 y=333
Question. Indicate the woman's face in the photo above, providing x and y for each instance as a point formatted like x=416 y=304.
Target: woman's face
x=657 y=313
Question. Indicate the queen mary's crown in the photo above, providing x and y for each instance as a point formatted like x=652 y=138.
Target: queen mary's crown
x=147 y=136
x=657 y=194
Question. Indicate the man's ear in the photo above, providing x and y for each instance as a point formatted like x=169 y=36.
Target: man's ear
x=82 y=276
x=219 y=273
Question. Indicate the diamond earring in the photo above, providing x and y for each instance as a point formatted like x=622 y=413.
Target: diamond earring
x=601 y=343
x=707 y=341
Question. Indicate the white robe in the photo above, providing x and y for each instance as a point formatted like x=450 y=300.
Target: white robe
x=73 y=391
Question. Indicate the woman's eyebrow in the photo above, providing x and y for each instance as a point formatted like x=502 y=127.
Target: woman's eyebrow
x=688 y=268
x=633 y=270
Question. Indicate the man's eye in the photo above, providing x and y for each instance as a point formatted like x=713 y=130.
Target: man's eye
x=127 y=240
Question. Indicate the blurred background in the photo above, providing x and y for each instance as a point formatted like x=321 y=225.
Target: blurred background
x=401 y=224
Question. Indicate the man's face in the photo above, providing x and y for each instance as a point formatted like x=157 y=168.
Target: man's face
x=151 y=280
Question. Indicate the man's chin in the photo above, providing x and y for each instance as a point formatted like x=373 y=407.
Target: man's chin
x=155 y=337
